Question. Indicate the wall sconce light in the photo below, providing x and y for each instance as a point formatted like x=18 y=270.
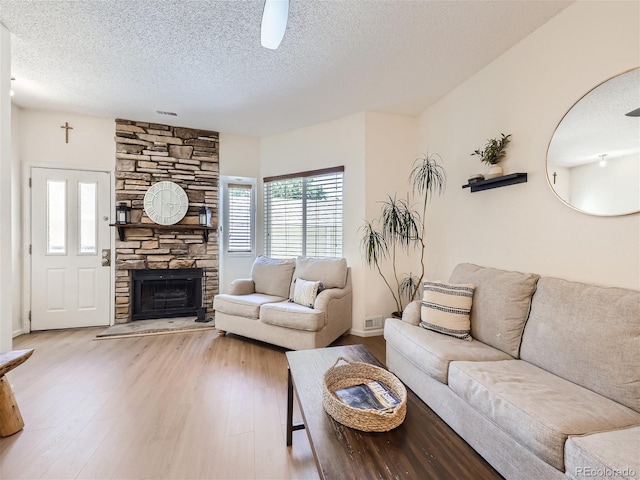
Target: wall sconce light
x=123 y=213
x=204 y=216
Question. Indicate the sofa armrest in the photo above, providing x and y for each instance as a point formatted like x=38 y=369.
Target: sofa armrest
x=412 y=312
x=242 y=286
x=326 y=296
x=336 y=303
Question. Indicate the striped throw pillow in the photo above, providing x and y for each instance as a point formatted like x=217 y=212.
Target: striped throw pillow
x=446 y=309
x=305 y=292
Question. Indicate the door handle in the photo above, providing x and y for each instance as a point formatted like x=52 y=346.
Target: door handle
x=106 y=257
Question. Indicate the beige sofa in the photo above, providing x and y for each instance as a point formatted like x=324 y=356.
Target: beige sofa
x=550 y=385
x=263 y=308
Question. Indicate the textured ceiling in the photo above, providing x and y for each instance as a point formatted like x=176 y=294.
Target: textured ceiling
x=202 y=58
x=597 y=124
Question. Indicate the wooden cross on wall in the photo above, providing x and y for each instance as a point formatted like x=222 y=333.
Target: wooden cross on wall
x=66 y=131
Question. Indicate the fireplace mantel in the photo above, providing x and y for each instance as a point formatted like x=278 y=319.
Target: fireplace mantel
x=178 y=226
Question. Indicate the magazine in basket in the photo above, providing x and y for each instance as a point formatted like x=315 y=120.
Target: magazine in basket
x=372 y=395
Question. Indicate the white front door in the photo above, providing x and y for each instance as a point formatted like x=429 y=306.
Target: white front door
x=70 y=229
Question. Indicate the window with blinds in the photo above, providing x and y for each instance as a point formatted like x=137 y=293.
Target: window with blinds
x=303 y=214
x=240 y=224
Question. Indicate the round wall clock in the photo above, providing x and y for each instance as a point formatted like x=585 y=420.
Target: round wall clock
x=166 y=203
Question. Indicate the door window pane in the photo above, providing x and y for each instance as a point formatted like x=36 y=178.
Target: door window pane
x=240 y=218
x=56 y=217
x=88 y=217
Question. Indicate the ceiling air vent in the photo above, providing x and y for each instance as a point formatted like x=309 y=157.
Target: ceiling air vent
x=172 y=114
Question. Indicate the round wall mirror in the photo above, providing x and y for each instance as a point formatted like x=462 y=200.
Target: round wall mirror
x=593 y=160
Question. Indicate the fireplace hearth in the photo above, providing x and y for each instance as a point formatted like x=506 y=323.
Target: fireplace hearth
x=166 y=293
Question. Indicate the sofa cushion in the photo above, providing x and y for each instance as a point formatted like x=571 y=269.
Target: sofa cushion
x=446 y=307
x=272 y=276
x=243 y=305
x=616 y=454
x=305 y=292
x=431 y=352
x=536 y=408
x=292 y=315
x=587 y=334
x=501 y=302
x=332 y=272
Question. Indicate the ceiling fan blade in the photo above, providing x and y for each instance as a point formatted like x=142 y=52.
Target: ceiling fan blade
x=633 y=113
x=274 y=23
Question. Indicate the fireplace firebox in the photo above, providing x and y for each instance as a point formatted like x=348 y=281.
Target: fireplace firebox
x=166 y=293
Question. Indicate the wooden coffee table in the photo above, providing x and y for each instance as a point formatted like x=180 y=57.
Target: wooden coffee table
x=422 y=447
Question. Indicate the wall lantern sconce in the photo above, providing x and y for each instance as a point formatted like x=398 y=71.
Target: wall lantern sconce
x=123 y=213
x=204 y=216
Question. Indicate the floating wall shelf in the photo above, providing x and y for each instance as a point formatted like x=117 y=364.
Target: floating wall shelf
x=179 y=226
x=502 y=181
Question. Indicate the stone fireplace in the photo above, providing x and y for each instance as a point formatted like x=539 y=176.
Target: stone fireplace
x=147 y=153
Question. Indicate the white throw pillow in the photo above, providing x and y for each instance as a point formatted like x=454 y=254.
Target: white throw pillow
x=446 y=309
x=305 y=292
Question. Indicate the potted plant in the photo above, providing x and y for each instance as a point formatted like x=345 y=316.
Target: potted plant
x=400 y=230
x=492 y=154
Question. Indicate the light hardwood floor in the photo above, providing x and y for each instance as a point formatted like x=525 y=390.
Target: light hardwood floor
x=176 y=406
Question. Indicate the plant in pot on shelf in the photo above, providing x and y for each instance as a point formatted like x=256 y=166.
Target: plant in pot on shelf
x=492 y=154
x=400 y=231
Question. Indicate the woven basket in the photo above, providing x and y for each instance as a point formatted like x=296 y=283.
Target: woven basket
x=354 y=373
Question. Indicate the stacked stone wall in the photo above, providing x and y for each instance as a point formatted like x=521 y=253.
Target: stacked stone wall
x=147 y=153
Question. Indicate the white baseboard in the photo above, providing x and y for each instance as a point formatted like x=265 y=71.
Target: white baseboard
x=17 y=333
x=367 y=333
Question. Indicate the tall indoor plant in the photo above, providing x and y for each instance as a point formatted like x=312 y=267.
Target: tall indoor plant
x=400 y=229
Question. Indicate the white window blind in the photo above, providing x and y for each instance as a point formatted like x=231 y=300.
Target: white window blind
x=303 y=214
x=240 y=223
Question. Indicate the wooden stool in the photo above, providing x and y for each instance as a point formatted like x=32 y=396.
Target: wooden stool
x=10 y=418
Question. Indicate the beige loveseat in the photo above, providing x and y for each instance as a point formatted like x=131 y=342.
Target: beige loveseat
x=264 y=306
x=550 y=385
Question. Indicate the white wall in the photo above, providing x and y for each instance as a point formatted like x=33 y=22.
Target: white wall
x=390 y=149
x=526 y=92
x=607 y=189
x=91 y=142
x=16 y=218
x=239 y=155
x=329 y=144
x=6 y=179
